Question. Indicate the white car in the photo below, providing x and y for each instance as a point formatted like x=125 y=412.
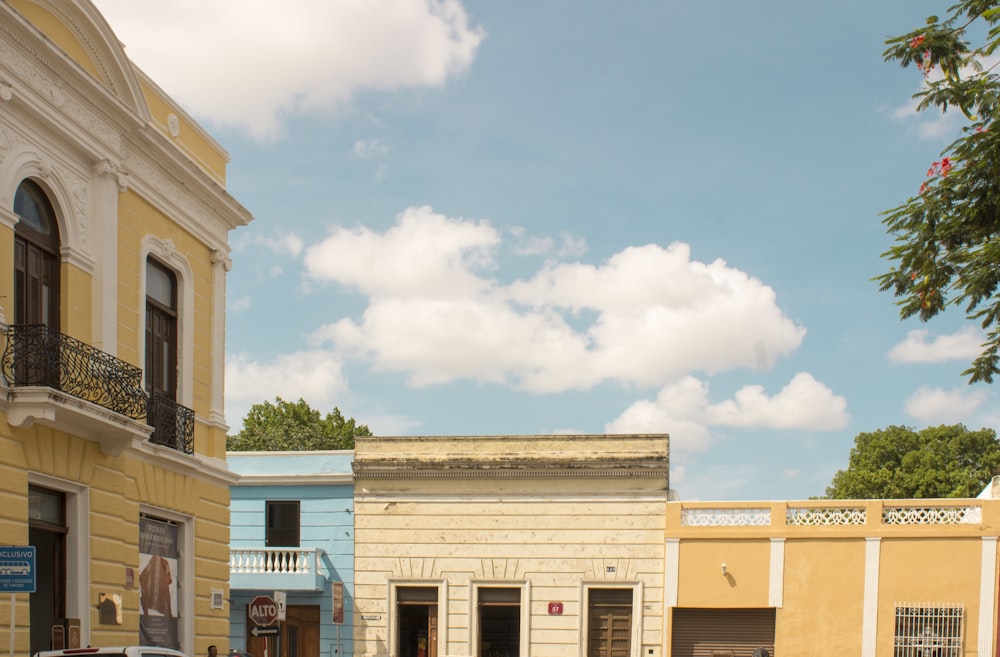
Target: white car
x=126 y=651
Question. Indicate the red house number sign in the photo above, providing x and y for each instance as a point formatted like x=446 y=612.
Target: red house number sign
x=555 y=608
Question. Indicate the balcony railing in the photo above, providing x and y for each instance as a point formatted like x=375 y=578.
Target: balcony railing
x=289 y=568
x=173 y=424
x=37 y=355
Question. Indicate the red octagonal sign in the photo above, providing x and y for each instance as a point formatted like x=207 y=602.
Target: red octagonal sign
x=263 y=610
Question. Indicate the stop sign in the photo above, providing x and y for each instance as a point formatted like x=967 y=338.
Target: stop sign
x=263 y=610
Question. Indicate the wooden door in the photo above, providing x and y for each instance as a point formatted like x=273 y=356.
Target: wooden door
x=300 y=631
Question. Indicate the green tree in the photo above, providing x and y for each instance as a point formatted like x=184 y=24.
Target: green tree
x=286 y=426
x=947 y=237
x=901 y=463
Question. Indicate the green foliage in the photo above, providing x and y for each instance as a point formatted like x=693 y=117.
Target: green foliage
x=947 y=246
x=285 y=426
x=901 y=463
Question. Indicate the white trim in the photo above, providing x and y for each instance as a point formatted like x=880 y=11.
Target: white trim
x=869 y=623
x=185 y=571
x=671 y=572
x=77 y=547
x=104 y=190
x=442 y=607
x=166 y=253
x=637 y=613
x=524 y=608
x=987 y=569
x=776 y=582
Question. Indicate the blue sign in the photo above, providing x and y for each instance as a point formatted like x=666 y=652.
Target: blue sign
x=17 y=569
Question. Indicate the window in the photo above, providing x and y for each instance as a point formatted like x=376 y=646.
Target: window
x=416 y=621
x=36 y=258
x=161 y=330
x=282 y=524
x=499 y=622
x=928 y=631
x=47 y=532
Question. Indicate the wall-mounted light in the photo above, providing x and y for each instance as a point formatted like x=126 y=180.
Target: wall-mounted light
x=723 y=568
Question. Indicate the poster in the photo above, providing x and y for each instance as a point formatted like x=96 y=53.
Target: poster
x=158 y=555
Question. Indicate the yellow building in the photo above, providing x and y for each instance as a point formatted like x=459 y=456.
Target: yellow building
x=114 y=224
x=876 y=578
x=537 y=546
x=509 y=545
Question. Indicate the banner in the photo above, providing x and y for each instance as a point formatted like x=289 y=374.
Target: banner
x=158 y=555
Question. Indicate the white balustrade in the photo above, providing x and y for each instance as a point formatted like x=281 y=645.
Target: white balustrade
x=267 y=561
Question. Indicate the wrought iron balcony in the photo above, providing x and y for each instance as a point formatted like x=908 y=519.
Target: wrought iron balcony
x=173 y=424
x=37 y=355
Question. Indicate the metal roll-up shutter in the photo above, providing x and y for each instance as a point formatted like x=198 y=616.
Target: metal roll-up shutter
x=722 y=632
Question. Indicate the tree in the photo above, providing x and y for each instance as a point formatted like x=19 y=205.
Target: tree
x=947 y=248
x=286 y=426
x=900 y=463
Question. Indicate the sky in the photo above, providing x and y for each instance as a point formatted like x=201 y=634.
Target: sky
x=477 y=217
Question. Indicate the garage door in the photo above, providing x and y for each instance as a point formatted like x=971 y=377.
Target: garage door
x=722 y=632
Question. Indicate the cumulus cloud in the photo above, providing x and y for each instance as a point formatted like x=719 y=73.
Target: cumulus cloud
x=644 y=317
x=242 y=63
x=239 y=304
x=683 y=410
x=964 y=344
x=939 y=406
x=315 y=375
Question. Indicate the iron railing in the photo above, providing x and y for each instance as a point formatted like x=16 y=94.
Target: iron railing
x=173 y=424
x=37 y=355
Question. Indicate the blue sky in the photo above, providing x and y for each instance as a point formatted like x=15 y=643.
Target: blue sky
x=495 y=218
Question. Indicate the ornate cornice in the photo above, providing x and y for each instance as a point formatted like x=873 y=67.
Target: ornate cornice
x=583 y=469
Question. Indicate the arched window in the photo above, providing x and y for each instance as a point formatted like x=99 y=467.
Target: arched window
x=161 y=330
x=36 y=258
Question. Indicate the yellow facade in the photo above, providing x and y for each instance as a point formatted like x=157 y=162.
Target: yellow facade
x=132 y=182
x=836 y=577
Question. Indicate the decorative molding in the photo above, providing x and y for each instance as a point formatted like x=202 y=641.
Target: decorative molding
x=489 y=470
x=107 y=169
x=987 y=575
x=821 y=516
x=869 y=621
x=725 y=517
x=932 y=515
x=776 y=581
x=219 y=257
x=6 y=91
x=173 y=124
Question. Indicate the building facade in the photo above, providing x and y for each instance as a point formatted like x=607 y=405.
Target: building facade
x=500 y=546
x=114 y=225
x=874 y=578
x=292 y=537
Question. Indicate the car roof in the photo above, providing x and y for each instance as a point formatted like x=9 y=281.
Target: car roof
x=114 y=650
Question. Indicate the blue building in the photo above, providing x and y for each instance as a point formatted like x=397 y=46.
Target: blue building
x=292 y=536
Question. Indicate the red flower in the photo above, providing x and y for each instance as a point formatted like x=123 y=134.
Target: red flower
x=916 y=41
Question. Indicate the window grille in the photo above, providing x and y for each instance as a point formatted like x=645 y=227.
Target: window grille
x=928 y=631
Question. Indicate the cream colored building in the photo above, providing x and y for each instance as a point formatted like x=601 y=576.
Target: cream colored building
x=509 y=545
x=538 y=546
x=114 y=224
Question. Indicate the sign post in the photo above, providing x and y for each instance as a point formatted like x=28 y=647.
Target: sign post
x=263 y=611
x=17 y=575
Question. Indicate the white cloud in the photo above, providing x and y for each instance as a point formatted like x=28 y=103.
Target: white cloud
x=683 y=410
x=964 y=344
x=239 y=304
x=242 y=63
x=315 y=376
x=939 y=406
x=649 y=314
x=370 y=149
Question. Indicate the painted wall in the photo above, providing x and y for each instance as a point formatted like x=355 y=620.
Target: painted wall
x=461 y=512
x=74 y=117
x=321 y=483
